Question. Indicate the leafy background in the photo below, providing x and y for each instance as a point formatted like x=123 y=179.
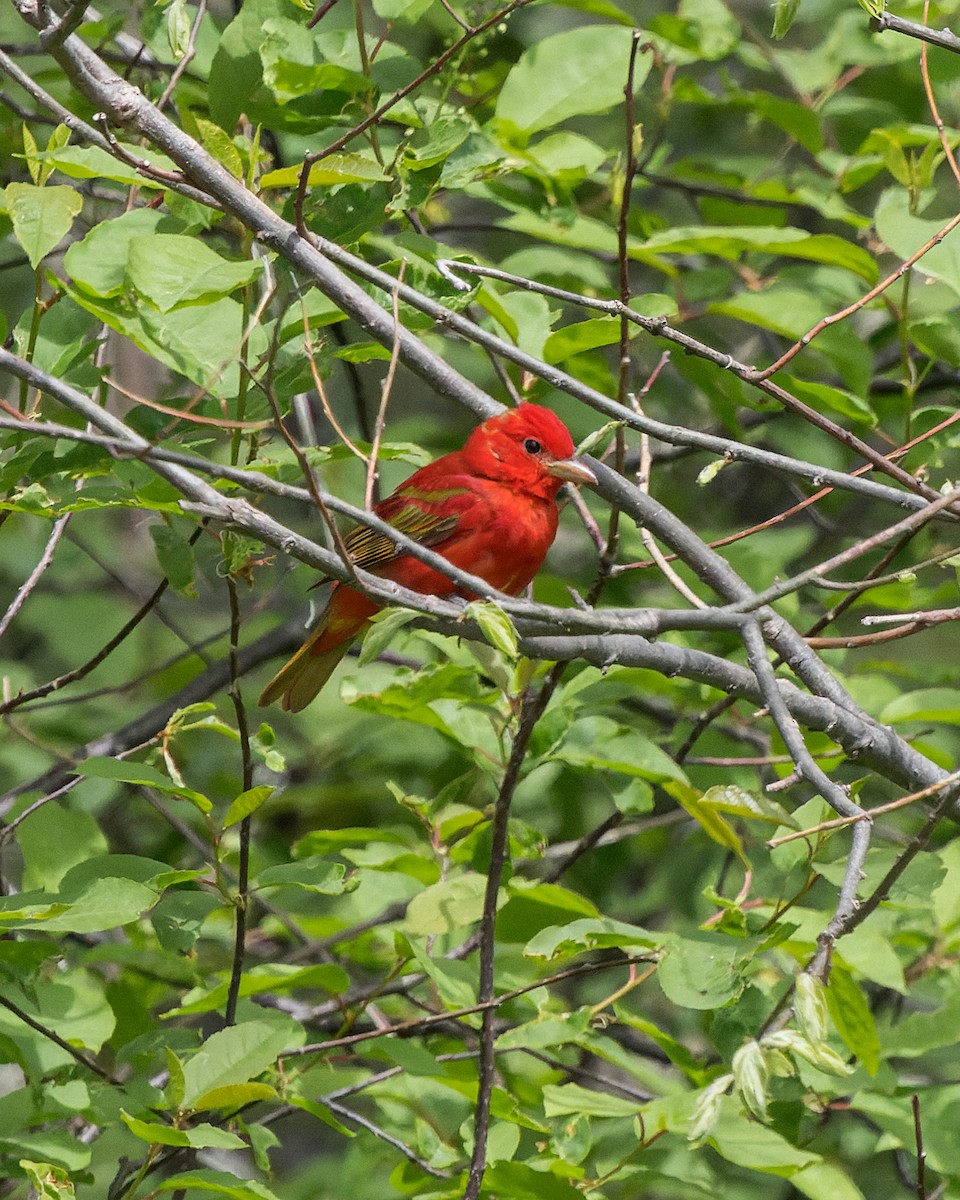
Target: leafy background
x=254 y=955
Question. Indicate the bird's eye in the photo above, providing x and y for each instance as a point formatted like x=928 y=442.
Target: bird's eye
x=532 y=446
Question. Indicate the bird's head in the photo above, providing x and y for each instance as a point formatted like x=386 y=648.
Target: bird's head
x=528 y=447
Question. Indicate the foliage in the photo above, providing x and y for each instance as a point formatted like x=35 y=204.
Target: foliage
x=540 y=899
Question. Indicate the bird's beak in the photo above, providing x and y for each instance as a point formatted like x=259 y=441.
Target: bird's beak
x=571 y=470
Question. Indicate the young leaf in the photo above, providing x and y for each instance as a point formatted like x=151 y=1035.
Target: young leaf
x=495 y=625
x=247 y=803
x=200 y=1137
x=784 y=14
x=42 y=216
x=49 y=1182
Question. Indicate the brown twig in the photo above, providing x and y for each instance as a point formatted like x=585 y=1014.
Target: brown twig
x=91 y=664
x=532 y=708
x=867 y=814
x=369 y=490
x=43 y=563
x=77 y=1055
x=242 y=899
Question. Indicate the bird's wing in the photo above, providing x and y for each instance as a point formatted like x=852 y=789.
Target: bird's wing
x=370 y=549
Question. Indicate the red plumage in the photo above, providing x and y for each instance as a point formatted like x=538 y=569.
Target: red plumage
x=489 y=509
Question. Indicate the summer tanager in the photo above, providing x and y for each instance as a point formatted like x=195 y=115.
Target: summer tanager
x=489 y=508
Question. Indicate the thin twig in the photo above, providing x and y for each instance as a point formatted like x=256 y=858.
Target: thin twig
x=918 y=1132
x=242 y=900
x=933 y=616
x=843 y=313
x=23 y=592
x=532 y=708
x=919 y=843
x=106 y=650
x=378 y=1131
x=188 y=56
x=867 y=814
x=77 y=1055
x=909 y=525
x=371 y=480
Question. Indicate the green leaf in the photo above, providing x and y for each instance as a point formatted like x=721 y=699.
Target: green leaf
x=102 y=767
x=408 y=10
x=749 y=806
x=732 y=241
x=710 y=820
x=582 y=336
x=701 y=971
x=93 y=162
x=200 y=1137
x=589 y=934
x=235 y=1055
x=825 y=1181
x=751 y=1076
x=753 y=1146
x=527 y=318
x=436 y=142
x=175 y=556
x=216 y=1183
x=321 y=1112
x=75 y=1002
x=179 y=917
x=455 y=982
x=531 y=907
x=784 y=14
x=41 y=216
x=315 y=874
x=296 y=64
x=810 y=1005
x=30 y=154
x=454 y=904
x=272 y=978
x=905 y=233
x=98 y=262
x=170 y=271
x=568 y=74
x=853 y=1018
x=173 y=1093
x=104 y=904
x=495 y=625
x=383 y=627
x=566 y=156
x=234 y=1096
x=570 y=1098
x=600 y=744
x=546 y=1031
x=56 y=1147
x=247 y=803
x=822 y=396
x=329 y=172
x=929 y=704
x=54 y=838
x=521 y=1182
x=49 y=1182
x=178 y=28
x=432 y=696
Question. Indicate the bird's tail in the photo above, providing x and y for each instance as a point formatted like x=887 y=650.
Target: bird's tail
x=299 y=680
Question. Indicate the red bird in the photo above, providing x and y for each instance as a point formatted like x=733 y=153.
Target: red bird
x=489 y=508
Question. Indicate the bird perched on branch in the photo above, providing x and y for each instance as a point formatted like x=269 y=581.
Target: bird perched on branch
x=489 y=509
